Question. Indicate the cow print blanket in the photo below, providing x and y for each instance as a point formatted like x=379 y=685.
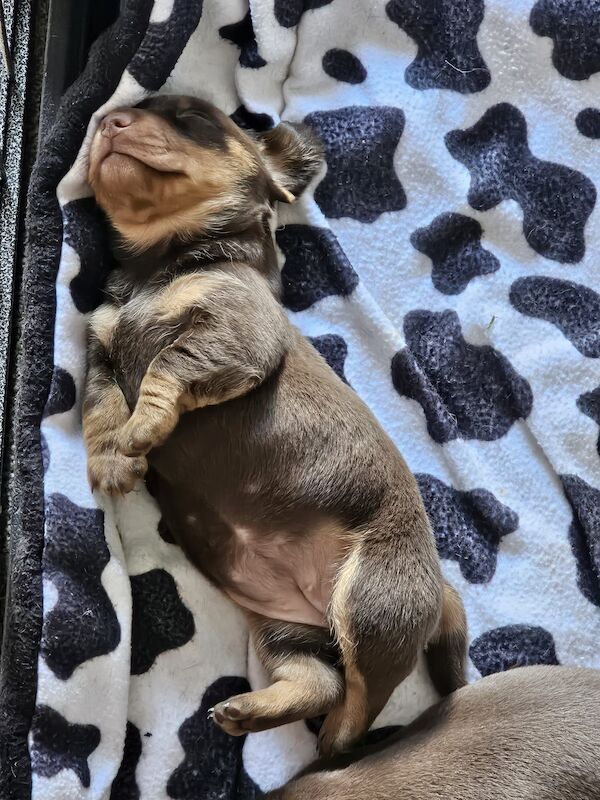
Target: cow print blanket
x=445 y=262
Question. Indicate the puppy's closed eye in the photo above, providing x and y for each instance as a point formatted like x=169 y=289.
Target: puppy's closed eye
x=196 y=118
x=200 y=126
x=192 y=113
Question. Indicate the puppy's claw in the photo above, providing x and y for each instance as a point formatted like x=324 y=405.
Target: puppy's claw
x=211 y=713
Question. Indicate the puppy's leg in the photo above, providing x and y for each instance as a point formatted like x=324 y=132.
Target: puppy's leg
x=446 y=651
x=384 y=607
x=172 y=385
x=157 y=411
x=105 y=411
x=304 y=685
x=239 y=340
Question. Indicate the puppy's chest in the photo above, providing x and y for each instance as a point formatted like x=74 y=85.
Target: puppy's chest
x=135 y=328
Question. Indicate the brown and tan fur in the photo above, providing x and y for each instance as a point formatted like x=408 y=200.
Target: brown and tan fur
x=527 y=734
x=269 y=471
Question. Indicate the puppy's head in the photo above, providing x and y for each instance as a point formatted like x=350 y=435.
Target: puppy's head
x=177 y=167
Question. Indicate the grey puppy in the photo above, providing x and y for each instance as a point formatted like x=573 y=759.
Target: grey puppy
x=527 y=734
x=269 y=470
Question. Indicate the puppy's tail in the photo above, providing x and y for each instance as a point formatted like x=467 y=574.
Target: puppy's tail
x=446 y=652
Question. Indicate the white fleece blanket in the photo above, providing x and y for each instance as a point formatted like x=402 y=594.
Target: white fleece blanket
x=446 y=262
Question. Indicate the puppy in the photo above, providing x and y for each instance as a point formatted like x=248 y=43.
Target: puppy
x=269 y=471
x=527 y=734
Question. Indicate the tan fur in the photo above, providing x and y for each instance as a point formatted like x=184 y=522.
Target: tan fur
x=102 y=324
x=348 y=720
x=338 y=609
x=156 y=413
x=453 y=613
x=160 y=184
x=302 y=687
x=269 y=471
x=447 y=647
x=345 y=724
x=181 y=295
x=173 y=381
x=290 y=158
x=105 y=412
x=109 y=470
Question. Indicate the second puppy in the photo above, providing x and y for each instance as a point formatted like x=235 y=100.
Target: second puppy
x=271 y=472
x=528 y=734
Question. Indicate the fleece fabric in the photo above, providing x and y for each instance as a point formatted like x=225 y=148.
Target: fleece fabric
x=443 y=262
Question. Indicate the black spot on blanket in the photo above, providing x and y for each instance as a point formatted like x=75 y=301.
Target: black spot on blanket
x=249 y=120
x=160 y=621
x=589 y=404
x=446 y=35
x=334 y=350
x=452 y=242
x=584 y=534
x=344 y=66
x=556 y=200
x=124 y=786
x=242 y=35
x=465 y=390
x=289 y=12
x=588 y=122
x=163 y=44
x=62 y=393
x=468 y=526
x=512 y=646
x=86 y=231
x=57 y=744
x=315 y=266
x=83 y=623
x=572 y=307
x=574 y=27
x=212 y=767
x=359 y=142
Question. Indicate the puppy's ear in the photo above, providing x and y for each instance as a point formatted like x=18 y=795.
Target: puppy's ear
x=293 y=155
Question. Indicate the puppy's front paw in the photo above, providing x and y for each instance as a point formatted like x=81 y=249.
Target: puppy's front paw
x=143 y=432
x=114 y=473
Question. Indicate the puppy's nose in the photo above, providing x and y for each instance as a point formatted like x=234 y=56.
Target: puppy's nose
x=113 y=123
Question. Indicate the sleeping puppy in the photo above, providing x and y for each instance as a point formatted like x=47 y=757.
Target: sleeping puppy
x=527 y=734
x=270 y=472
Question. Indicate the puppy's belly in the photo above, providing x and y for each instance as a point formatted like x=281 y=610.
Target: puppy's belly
x=281 y=577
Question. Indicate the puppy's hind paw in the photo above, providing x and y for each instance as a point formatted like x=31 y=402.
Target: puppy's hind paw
x=336 y=736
